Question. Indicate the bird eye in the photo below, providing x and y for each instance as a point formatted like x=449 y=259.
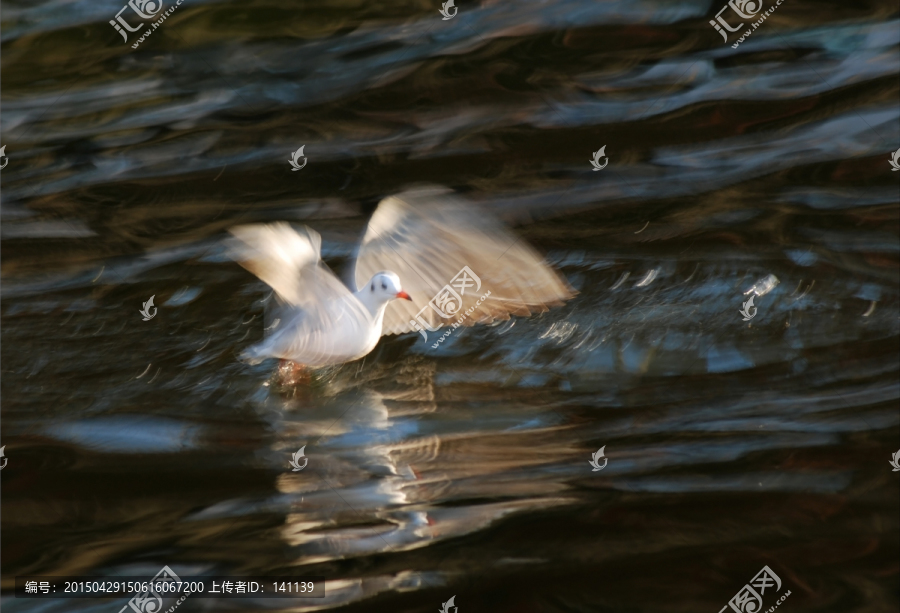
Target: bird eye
x=373 y=286
x=383 y=286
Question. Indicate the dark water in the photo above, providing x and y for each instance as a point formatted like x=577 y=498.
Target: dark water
x=462 y=470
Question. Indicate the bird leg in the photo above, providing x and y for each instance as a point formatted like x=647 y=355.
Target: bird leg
x=292 y=373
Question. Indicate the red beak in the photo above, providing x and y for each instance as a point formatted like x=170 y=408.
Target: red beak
x=403 y=295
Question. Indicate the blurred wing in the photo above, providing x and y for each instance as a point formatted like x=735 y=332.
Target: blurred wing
x=276 y=253
x=317 y=321
x=428 y=236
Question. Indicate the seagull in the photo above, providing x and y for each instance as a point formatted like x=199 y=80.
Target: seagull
x=414 y=245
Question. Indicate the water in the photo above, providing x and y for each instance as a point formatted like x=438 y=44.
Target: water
x=461 y=470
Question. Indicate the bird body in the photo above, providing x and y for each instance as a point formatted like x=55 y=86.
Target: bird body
x=414 y=244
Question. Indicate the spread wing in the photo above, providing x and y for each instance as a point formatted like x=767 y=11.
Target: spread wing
x=428 y=237
x=316 y=320
x=276 y=253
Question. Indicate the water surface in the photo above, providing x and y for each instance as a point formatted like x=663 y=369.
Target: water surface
x=461 y=470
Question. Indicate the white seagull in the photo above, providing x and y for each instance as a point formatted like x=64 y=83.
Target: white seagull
x=418 y=240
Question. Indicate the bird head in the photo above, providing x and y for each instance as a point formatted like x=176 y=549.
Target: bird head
x=384 y=287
